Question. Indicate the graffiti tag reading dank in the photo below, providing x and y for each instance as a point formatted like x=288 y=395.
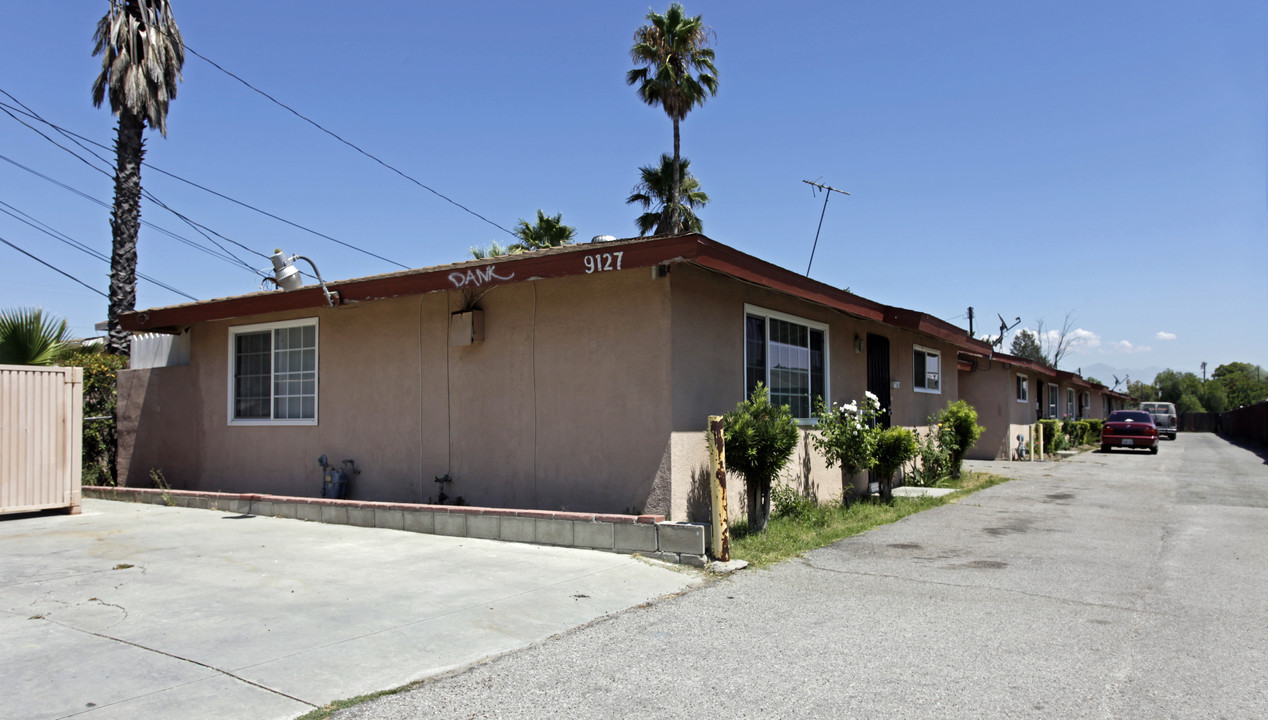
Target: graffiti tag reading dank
x=477 y=276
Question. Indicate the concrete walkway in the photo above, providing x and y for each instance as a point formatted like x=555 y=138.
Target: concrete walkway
x=134 y=610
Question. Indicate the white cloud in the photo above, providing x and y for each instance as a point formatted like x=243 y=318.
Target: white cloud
x=1124 y=346
x=1086 y=339
x=1163 y=335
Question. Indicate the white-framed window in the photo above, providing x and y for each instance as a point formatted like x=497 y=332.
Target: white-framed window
x=790 y=355
x=273 y=373
x=1085 y=404
x=1052 y=400
x=1070 y=408
x=927 y=375
x=1023 y=388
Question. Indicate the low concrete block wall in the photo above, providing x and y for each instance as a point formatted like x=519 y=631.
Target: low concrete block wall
x=647 y=535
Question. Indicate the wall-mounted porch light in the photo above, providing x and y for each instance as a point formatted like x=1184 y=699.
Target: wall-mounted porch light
x=287 y=277
x=858 y=343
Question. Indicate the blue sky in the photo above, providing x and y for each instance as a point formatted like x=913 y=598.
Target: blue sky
x=1028 y=159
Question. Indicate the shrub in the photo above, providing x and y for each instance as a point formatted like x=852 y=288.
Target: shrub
x=1077 y=432
x=1093 y=434
x=847 y=435
x=961 y=418
x=894 y=447
x=100 y=400
x=788 y=503
x=1050 y=429
x=932 y=462
x=760 y=439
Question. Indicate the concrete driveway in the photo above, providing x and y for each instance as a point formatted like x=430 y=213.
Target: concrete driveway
x=133 y=611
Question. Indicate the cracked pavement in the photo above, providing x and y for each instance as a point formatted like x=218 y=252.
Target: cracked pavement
x=130 y=611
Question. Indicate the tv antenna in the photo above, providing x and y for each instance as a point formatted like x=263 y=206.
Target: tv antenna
x=827 y=194
x=1004 y=327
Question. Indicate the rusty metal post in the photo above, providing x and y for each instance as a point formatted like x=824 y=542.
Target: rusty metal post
x=717 y=482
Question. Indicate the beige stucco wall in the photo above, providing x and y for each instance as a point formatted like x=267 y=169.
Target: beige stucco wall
x=569 y=364
x=708 y=378
x=589 y=393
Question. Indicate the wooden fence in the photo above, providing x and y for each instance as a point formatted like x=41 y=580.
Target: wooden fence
x=41 y=436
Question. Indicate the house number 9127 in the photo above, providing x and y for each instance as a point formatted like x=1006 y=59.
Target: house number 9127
x=603 y=262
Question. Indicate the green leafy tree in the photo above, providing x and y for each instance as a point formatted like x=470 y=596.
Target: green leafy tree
x=141 y=59
x=676 y=74
x=547 y=232
x=1189 y=403
x=1213 y=396
x=654 y=191
x=28 y=337
x=1026 y=345
x=760 y=440
x=1244 y=384
x=1142 y=392
x=1173 y=384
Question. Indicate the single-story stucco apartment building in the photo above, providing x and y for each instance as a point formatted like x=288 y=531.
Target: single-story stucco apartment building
x=577 y=378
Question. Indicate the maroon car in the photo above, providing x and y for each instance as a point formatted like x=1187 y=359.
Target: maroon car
x=1130 y=429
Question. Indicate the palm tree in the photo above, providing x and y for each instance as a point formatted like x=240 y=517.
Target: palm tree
x=653 y=193
x=141 y=59
x=677 y=75
x=549 y=231
x=27 y=337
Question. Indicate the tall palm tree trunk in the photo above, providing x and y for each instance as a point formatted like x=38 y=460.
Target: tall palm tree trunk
x=125 y=223
x=675 y=219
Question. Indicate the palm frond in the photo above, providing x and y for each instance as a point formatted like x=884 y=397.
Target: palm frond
x=27 y=337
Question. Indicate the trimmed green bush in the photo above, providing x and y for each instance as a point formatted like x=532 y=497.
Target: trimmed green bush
x=894 y=447
x=1050 y=430
x=760 y=440
x=961 y=418
x=1093 y=434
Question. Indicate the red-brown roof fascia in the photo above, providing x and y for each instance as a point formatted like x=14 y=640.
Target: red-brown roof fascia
x=553 y=263
x=474 y=274
x=930 y=325
x=729 y=261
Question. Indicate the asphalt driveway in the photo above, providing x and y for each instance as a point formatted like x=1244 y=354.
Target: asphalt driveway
x=131 y=610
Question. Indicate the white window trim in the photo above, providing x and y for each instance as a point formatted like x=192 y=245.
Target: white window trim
x=1025 y=386
x=236 y=330
x=1071 y=403
x=1054 y=401
x=827 y=351
x=941 y=375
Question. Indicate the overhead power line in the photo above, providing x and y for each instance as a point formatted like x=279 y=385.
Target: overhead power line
x=54 y=268
x=175 y=236
x=80 y=140
x=334 y=135
x=87 y=250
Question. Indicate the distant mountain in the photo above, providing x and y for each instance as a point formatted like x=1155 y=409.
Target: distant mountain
x=1106 y=373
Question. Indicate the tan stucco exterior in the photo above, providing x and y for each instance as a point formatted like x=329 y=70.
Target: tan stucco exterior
x=588 y=393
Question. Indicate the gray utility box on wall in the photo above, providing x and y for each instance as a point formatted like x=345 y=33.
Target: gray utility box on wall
x=466 y=327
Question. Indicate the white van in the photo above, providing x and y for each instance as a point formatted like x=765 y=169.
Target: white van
x=1164 y=414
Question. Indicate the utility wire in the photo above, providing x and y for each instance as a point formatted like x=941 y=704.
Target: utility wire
x=76 y=138
x=54 y=268
x=317 y=125
x=57 y=235
x=150 y=196
x=202 y=248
